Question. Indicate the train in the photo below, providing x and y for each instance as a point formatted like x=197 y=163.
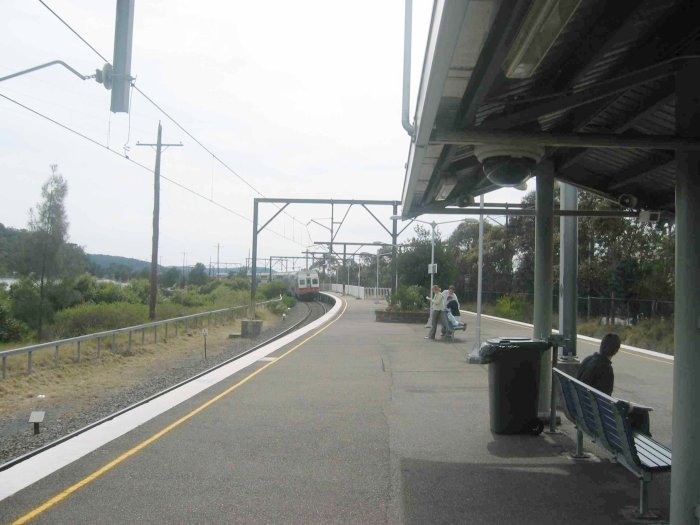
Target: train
x=303 y=284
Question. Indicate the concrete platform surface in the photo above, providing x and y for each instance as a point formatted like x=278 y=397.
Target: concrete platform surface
x=363 y=423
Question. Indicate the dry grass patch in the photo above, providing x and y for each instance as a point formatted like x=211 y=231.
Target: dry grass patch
x=86 y=382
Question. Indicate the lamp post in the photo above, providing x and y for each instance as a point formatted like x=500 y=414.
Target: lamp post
x=432 y=254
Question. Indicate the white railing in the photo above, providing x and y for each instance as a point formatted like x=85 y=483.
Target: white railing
x=377 y=293
x=361 y=292
x=355 y=291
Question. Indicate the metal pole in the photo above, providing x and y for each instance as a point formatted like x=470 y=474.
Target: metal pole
x=376 y=287
x=429 y=324
x=542 y=323
x=685 y=475
x=254 y=267
x=432 y=256
x=480 y=275
x=405 y=99
x=394 y=249
x=568 y=266
x=553 y=396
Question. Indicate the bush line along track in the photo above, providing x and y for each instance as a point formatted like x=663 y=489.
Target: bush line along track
x=299 y=324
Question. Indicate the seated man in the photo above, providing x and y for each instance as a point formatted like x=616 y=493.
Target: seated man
x=596 y=370
x=452 y=310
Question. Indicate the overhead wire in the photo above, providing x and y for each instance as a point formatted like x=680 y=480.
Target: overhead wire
x=200 y=144
x=123 y=156
x=157 y=106
x=73 y=31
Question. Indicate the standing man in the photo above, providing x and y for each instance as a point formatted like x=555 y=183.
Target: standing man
x=450 y=291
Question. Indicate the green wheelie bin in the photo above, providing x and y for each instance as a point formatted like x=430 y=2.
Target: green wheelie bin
x=514 y=378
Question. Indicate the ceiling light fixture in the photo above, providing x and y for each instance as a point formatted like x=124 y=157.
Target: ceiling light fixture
x=446 y=186
x=542 y=25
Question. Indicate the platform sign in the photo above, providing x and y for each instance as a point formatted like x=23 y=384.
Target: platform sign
x=432 y=268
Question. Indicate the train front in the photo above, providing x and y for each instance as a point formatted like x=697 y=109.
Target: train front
x=308 y=287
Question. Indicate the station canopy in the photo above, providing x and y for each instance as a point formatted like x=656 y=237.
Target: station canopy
x=587 y=84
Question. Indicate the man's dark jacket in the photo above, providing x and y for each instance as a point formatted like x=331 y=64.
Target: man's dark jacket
x=596 y=370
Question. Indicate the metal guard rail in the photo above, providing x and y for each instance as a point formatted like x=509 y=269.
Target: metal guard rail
x=113 y=333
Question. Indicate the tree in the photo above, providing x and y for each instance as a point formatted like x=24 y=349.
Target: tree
x=198 y=275
x=498 y=254
x=413 y=262
x=169 y=277
x=49 y=227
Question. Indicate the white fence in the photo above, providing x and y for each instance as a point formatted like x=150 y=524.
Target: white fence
x=361 y=292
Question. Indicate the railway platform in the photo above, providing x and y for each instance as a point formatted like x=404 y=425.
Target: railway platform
x=360 y=422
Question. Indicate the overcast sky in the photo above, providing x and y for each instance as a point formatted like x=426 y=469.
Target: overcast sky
x=293 y=99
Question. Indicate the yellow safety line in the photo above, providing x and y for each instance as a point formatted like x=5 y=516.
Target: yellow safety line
x=109 y=466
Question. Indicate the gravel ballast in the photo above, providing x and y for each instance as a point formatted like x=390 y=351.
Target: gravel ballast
x=16 y=433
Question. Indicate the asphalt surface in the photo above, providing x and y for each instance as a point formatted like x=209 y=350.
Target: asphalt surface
x=364 y=423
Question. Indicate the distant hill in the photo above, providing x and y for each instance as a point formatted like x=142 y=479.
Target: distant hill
x=107 y=261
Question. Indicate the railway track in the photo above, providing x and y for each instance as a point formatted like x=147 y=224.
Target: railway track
x=314 y=311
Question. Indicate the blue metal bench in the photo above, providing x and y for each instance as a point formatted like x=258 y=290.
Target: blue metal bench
x=607 y=421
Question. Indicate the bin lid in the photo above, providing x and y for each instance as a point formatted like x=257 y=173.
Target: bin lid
x=517 y=342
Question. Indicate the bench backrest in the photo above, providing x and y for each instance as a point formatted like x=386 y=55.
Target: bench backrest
x=599 y=415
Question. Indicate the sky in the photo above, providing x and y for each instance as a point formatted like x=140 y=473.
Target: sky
x=271 y=99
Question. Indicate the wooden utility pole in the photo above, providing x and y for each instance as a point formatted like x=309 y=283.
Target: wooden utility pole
x=153 y=294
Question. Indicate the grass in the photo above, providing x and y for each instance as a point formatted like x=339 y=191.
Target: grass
x=83 y=383
x=651 y=334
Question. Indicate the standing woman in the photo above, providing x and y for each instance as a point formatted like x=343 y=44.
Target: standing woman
x=437 y=305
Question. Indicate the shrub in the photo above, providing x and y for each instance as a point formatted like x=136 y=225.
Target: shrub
x=210 y=287
x=289 y=301
x=273 y=289
x=91 y=318
x=87 y=285
x=11 y=329
x=63 y=294
x=408 y=298
x=509 y=307
x=26 y=303
x=138 y=291
x=238 y=282
x=107 y=292
x=189 y=298
x=277 y=308
x=224 y=297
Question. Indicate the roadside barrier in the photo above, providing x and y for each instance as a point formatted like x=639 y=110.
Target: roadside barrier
x=187 y=322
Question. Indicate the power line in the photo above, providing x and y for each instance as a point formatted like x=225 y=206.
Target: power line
x=133 y=86
x=220 y=161
x=174 y=182
x=73 y=30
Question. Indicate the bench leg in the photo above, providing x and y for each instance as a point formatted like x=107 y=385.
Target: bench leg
x=579 y=454
x=643 y=496
x=643 y=510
